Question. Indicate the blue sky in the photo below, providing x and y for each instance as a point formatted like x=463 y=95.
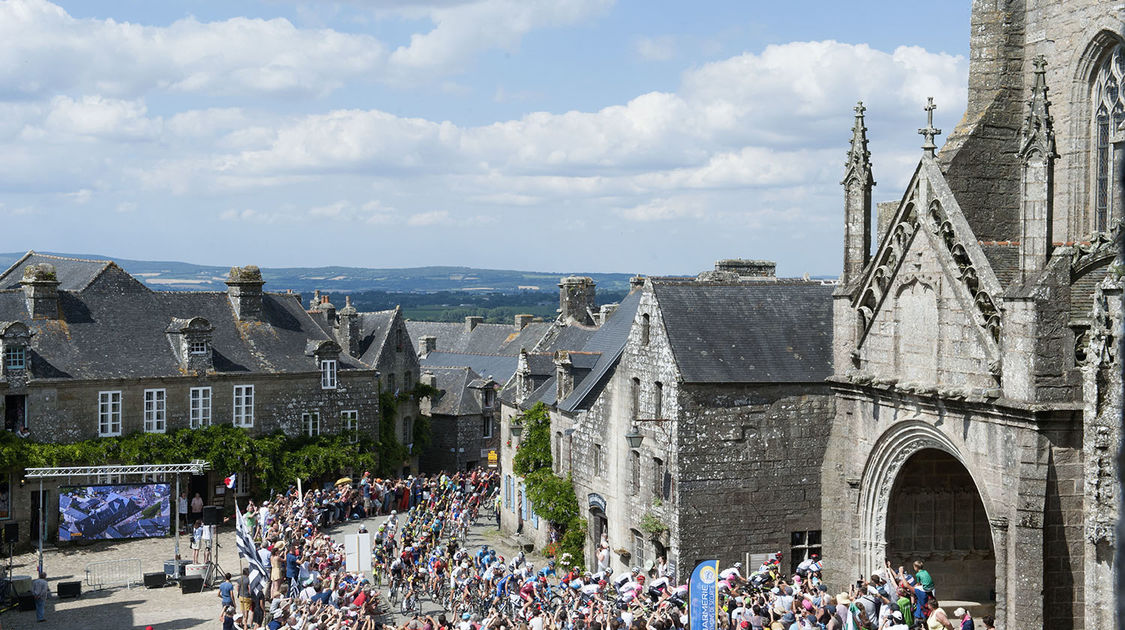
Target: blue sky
x=566 y=135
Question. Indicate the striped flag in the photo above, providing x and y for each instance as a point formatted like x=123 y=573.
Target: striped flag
x=249 y=552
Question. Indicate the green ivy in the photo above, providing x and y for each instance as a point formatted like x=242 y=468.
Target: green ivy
x=275 y=460
x=392 y=452
x=551 y=496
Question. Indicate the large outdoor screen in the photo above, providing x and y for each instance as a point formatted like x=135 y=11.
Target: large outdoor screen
x=109 y=512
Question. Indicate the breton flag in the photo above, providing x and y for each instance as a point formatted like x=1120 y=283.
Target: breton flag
x=230 y=481
x=248 y=552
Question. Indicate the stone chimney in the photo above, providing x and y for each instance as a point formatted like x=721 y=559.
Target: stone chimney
x=524 y=383
x=606 y=311
x=564 y=375
x=347 y=332
x=522 y=320
x=328 y=308
x=577 y=299
x=747 y=268
x=314 y=303
x=636 y=282
x=472 y=321
x=244 y=288
x=41 y=291
x=426 y=345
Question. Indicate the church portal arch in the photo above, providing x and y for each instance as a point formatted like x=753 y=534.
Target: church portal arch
x=903 y=450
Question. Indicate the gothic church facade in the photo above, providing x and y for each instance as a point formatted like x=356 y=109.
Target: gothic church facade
x=976 y=372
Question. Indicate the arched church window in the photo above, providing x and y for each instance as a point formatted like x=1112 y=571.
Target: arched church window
x=1109 y=114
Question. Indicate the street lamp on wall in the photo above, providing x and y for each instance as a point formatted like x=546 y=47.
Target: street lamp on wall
x=515 y=429
x=634 y=437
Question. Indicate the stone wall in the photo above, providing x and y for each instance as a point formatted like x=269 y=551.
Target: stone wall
x=750 y=468
x=979 y=157
x=458 y=442
x=68 y=412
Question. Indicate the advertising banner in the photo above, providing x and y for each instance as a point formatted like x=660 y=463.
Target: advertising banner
x=703 y=596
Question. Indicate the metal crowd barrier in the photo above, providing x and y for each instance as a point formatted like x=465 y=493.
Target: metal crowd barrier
x=114 y=573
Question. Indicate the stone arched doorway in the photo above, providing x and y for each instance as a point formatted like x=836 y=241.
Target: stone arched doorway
x=896 y=490
x=935 y=515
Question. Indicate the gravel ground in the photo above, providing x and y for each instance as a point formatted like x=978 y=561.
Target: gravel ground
x=165 y=608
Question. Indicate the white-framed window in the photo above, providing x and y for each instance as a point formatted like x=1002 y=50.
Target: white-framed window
x=156 y=410
x=486 y=427
x=243 y=405
x=638 y=558
x=200 y=405
x=328 y=374
x=154 y=477
x=242 y=483
x=197 y=347
x=310 y=423
x=15 y=357
x=351 y=424
x=407 y=430
x=109 y=413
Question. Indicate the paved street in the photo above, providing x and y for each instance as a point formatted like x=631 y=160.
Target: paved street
x=163 y=608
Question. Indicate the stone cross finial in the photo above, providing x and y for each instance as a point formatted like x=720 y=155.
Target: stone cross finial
x=859 y=158
x=929 y=132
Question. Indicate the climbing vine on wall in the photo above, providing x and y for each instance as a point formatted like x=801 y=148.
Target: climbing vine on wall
x=274 y=460
x=551 y=496
x=391 y=451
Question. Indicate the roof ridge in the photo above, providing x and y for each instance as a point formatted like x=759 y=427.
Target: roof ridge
x=19 y=262
x=71 y=258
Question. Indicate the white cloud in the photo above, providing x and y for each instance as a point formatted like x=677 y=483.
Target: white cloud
x=428 y=218
x=96 y=117
x=660 y=48
x=46 y=50
x=464 y=28
x=664 y=210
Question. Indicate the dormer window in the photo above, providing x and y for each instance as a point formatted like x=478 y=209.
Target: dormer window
x=328 y=374
x=15 y=338
x=15 y=358
x=197 y=347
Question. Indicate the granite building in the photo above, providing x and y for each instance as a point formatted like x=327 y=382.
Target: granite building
x=694 y=420
x=976 y=373
x=90 y=351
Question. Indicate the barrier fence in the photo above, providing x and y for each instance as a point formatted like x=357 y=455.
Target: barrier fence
x=114 y=573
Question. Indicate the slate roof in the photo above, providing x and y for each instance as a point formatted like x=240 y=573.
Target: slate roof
x=499 y=367
x=607 y=342
x=74 y=274
x=373 y=330
x=748 y=332
x=482 y=339
x=455 y=398
x=112 y=326
x=103 y=336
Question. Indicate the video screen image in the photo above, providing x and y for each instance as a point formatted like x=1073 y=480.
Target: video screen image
x=110 y=512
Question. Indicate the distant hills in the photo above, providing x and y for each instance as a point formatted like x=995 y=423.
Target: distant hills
x=179 y=276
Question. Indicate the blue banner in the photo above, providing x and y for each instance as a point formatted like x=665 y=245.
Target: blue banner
x=703 y=607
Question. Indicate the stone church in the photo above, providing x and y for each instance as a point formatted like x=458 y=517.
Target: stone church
x=978 y=390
